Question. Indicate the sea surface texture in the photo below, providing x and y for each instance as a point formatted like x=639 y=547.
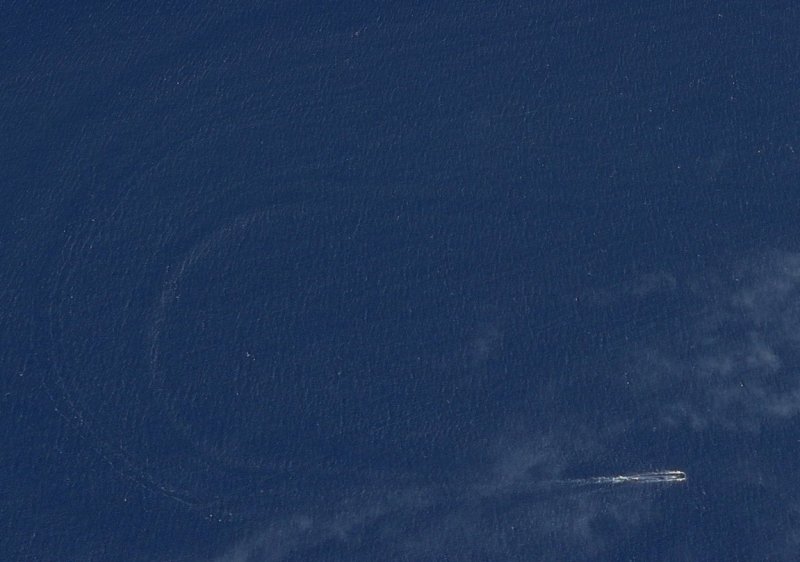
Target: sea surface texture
x=355 y=281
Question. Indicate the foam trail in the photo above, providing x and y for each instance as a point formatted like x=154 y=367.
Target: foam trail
x=658 y=477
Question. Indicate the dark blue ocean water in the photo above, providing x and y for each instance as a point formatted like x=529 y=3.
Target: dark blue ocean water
x=343 y=282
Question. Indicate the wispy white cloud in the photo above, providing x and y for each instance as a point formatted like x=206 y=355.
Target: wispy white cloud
x=734 y=367
x=737 y=366
x=512 y=505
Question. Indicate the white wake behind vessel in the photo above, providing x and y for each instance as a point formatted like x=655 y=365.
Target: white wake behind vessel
x=663 y=476
x=657 y=477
